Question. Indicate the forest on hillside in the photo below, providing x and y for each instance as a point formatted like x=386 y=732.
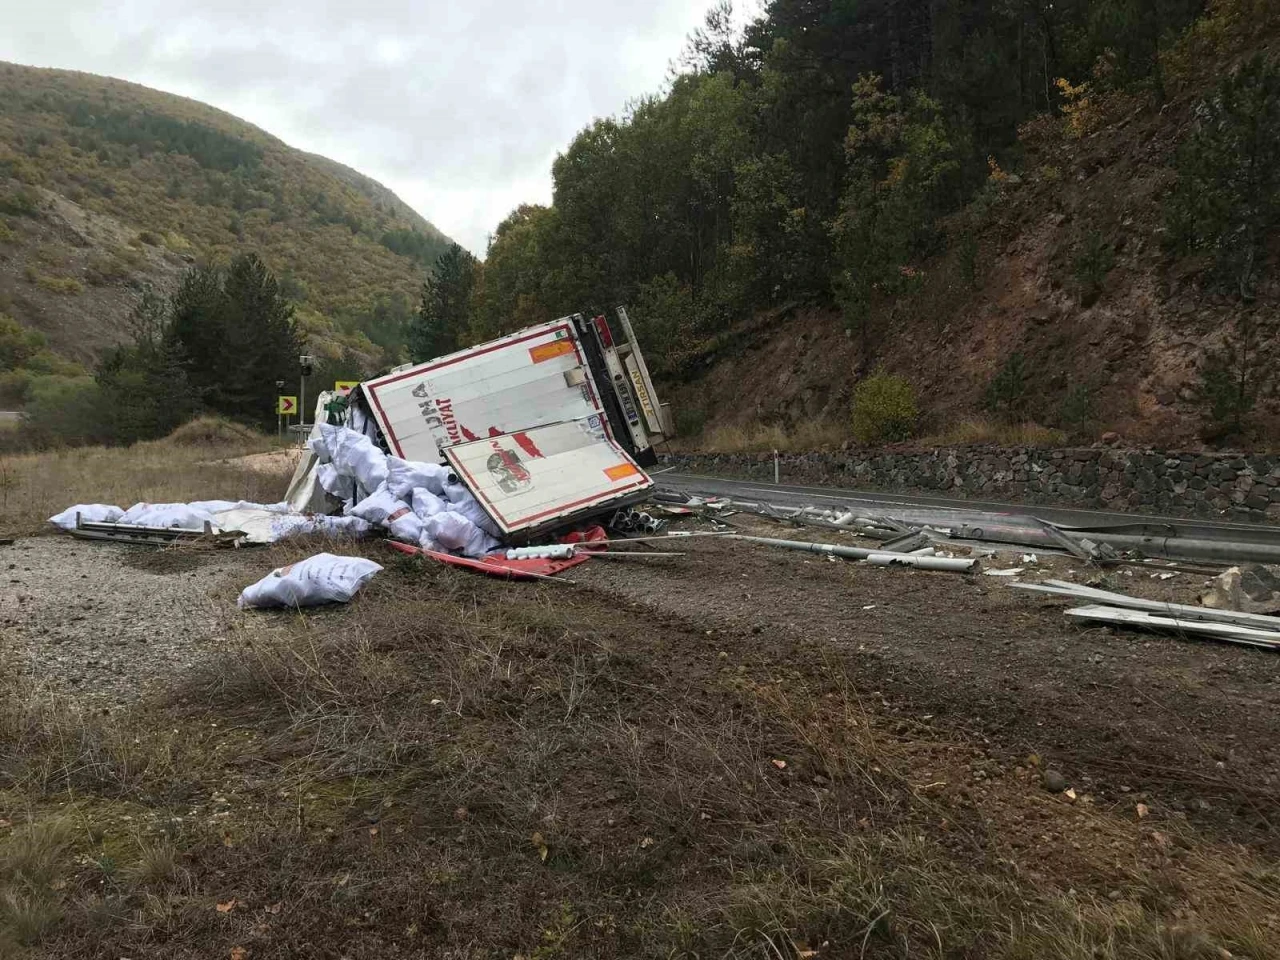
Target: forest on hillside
x=825 y=153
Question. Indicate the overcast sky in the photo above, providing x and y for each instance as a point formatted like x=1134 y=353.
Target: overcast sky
x=459 y=107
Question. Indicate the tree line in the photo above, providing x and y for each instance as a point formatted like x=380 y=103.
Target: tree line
x=217 y=345
x=808 y=156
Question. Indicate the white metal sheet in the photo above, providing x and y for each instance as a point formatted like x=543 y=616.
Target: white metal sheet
x=546 y=473
x=533 y=377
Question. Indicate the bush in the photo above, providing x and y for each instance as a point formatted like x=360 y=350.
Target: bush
x=67 y=286
x=20 y=202
x=884 y=409
x=1006 y=394
x=66 y=410
x=14 y=387
x=1091 y=265
x=1078 y=409
x=17 y=344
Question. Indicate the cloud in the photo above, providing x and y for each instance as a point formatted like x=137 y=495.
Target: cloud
x=458 y=107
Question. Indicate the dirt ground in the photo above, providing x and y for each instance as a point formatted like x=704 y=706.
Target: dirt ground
x=1128 y=717
x=739 y=752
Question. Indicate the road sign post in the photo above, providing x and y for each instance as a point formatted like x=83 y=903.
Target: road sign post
x=344 y=387
x=286 y=406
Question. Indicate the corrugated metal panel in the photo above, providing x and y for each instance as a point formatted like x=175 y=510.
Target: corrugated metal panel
x=533 y=377
x=534 y=477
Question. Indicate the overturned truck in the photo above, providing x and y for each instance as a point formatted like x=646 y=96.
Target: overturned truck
x=546 y=428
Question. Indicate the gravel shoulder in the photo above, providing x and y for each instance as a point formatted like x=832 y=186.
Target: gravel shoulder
x=110 y=622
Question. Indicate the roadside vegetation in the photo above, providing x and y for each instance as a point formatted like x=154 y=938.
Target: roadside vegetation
x=456 y=766
x=197 y=462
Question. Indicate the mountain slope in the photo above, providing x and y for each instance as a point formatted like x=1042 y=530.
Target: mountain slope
x=106 y=185
x=1058 y=282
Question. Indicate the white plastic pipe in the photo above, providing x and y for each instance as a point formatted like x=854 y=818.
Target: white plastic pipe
x=550 y=552
x=958 y=564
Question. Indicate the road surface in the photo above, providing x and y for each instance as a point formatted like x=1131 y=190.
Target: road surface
x=796 y=495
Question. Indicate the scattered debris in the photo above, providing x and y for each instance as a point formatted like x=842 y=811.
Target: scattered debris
x=1009 y=572
x=1254 y=588
x=1247 y=636
x=874 y=557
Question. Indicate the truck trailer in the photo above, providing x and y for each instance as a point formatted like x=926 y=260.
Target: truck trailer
x=546 y=426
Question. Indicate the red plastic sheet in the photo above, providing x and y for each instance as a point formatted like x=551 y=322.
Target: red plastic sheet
x=496 y=564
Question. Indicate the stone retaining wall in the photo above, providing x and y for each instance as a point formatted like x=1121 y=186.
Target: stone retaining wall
x=1233 y=486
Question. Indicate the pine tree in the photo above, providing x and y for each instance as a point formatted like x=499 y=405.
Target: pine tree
x=442 y=320
x=235 y=336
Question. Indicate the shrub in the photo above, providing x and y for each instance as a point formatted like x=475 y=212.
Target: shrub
x=1006 y=394
x=1234 y=377
x=20 y=202
x=14 y=386
x=66 y=410
x=67 y=286
x=17 y=344
x=103 y=270
x=1091 y=265
x=884 y=408
x=1078 y=409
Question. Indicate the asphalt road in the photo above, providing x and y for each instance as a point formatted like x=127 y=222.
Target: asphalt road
x=876 y=503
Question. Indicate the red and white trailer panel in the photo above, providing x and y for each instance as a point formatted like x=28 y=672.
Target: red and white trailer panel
x=536 y=477
x=533 y=377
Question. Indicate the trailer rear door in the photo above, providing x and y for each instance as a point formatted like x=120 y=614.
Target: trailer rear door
x=535 y=477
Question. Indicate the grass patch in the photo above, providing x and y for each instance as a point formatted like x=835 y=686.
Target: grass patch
x=66 y=286
x=975 y=431
x=450 y=762
x=216 y=431
x=35 y=486
x=758 y=438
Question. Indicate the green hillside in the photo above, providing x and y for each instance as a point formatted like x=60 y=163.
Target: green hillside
x=106 y=186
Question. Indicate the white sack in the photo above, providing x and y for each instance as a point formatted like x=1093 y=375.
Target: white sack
x=453 y=532
x=385 y=510
x=334 y=483
x=354 y=455
x=324 y=578
x=463 y=501
x=427 y=504
x=403 y=476
x=89 y=513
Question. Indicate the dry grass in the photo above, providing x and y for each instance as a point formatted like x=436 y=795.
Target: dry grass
x=216 y=432
x=33 y=487
x=757 y=438
x=825 y=435
x=452 y=766
x=988 y=432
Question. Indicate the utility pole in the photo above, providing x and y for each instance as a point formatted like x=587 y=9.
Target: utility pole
x=279 y=415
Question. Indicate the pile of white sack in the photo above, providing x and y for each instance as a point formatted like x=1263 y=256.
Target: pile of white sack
x=416 y=503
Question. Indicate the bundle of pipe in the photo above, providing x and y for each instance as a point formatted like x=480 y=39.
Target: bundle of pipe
x=631 y=520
